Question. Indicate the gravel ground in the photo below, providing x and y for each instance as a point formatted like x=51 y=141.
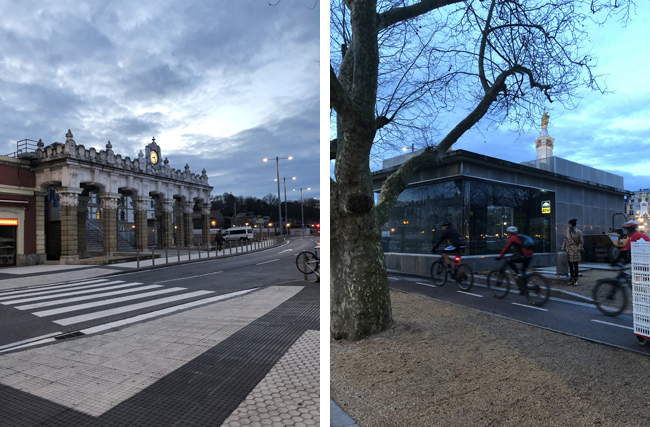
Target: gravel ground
x=442 y=365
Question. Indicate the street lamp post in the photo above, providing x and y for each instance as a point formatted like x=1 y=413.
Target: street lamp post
x=302 y=212
x=277 y=168
x=286 y=212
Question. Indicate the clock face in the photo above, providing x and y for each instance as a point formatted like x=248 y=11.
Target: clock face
x=153 y=157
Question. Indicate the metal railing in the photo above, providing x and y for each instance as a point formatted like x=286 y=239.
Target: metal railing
x=25 y=148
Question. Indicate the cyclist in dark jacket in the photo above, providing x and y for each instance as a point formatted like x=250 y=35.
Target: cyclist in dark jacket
x=455 y=242
x=522 y=254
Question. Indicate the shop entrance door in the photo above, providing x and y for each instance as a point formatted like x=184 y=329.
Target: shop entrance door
x=7 y=245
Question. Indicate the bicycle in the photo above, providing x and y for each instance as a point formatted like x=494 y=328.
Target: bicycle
x=611 y=295
x=308 y=263
x=461 y=273
x=533 y=286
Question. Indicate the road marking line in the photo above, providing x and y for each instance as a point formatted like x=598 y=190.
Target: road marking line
x=33 y=292
x=286 y=250
x=127 y=308
x=69 y=294
x=85 y=297
x=394 y=278
x=612 y=324
x=426 y=284
x=78 y=307
x=189 y=277
x=266 y=262
x=33 y=289
x=469 y=293
x=530 y=306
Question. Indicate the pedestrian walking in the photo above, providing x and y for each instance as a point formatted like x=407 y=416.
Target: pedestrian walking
x=219 y=239
x=574 y=246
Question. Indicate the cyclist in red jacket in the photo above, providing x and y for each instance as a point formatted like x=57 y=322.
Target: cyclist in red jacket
x=633 y=236
x=522 y=254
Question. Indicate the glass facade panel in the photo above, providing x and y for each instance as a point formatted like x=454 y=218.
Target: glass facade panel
x=417 y=216
x=481 y=211
x=492 y=207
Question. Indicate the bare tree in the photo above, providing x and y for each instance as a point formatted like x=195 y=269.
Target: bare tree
x=400 y=70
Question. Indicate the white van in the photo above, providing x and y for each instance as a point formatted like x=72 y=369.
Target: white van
x=238 y=233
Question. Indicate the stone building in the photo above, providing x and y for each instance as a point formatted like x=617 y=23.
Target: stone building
x=68 y=177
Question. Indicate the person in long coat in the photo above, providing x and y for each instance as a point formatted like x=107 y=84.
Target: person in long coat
x=573 y=245
x=219 y=240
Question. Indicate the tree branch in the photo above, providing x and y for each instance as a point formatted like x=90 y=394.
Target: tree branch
x=393 y=16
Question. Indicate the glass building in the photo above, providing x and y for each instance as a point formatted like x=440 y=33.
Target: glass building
x=481 y=196
x=481 y=210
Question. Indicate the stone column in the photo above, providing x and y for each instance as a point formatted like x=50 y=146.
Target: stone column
x=166 y=225
x=109 y=221
x=140 y=217
x=82 y=214
x=69 y=198
x=188 y=208
x=179 y=224
x=205 y=223
x=40 y=225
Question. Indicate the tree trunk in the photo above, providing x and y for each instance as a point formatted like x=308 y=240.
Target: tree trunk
x=359 y=295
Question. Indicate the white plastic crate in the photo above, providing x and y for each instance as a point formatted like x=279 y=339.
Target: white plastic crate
x=642 y=309
x=641 y=297
x=641 y=287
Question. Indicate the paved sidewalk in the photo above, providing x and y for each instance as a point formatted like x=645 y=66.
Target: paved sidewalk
x=250 y=360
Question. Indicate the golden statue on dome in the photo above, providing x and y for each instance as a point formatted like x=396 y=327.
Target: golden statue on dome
x=545 y=119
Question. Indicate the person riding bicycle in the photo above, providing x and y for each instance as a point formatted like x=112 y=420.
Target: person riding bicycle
x=455 y=243
x=522 y=254
x=633 y=236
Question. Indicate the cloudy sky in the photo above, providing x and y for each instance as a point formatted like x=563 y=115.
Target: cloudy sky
x=219 y=84
x=609 y=132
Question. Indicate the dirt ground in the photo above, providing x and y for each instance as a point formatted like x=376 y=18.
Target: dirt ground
x=442 y=365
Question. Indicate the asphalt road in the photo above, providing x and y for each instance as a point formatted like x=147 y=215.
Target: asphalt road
x=80 y=306
x=569 y=317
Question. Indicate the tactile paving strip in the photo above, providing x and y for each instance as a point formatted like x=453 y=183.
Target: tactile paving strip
x=289 y=394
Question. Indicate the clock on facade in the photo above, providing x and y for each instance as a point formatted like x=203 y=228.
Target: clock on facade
x=153 y=156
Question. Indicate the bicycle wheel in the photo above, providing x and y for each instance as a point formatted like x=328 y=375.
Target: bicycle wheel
x=464 y=277
x=305 y=261
x=610 y=297
x=538 y=290
x=438 y=273
x=498 y=283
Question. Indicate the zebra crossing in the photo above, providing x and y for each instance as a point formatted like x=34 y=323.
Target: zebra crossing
x=81 y=301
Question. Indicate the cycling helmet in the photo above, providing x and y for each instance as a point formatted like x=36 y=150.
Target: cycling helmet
x=631 y=225
x=512 y=229
x=446 y=224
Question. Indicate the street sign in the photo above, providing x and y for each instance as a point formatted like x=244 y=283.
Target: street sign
x=546 y=207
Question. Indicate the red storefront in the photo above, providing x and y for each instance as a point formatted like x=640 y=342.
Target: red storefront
x=18 y=230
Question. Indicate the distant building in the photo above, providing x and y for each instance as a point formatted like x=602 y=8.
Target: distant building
x=636 y=207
